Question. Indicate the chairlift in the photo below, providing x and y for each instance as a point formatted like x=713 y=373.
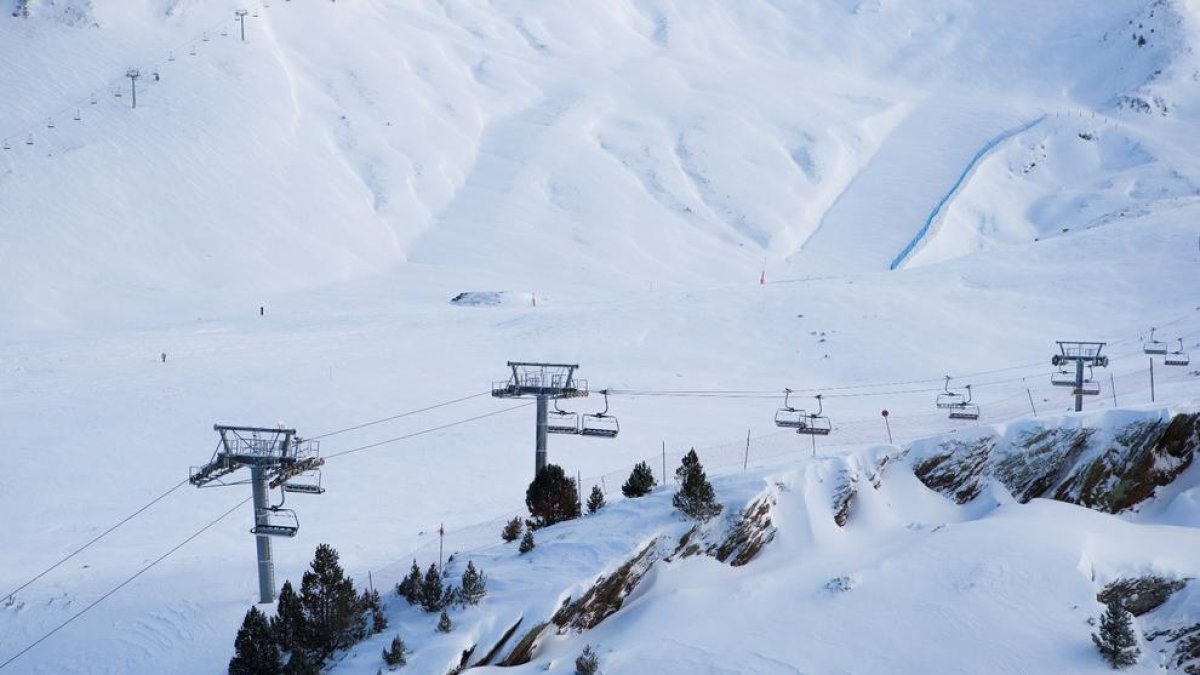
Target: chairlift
x=600 y=424
x=1177 y=357
x=1153 y=346
x=1062 y=378
x=950 y=399
x=193 y=51
x=49 y=122
x=170 y=56
x=204 y=37
x=815 y=424
x=787 y=416
x=93 y=100
x=29 y=139
x=561 y=421
x=965 y=410
x=78 y=116
x=6 y=145
x=307 y=483
x=276 y=522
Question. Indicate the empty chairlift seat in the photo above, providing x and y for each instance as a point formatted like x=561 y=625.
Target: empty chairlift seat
x=965 y=412
x=787 y=416
x=275 y=522
x=307 y=483
x=601 y=424
x=1062 y=378
x=1088 y=388
x=815 y=424
x=1177 y=357
x=1153 y=346
x=561 y=422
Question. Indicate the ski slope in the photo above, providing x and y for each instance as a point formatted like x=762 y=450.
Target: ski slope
x=353 y=166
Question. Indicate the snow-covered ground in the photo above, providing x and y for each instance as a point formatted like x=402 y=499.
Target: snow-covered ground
x=615 y=175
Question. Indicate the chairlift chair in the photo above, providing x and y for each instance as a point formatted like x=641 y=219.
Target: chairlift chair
x=787 y=416
x=307 y=483
x=29 y=139
x=276 y=522
x=561 y=421
x=6 y=145
x=49 y=122
x=1062 y=378
x=815 y=424
x=600 y=424
x=1089 y=387
x=1153 y=346
x=965 y=410
x=78 y=117
x=1177 y=357
x=950 y=399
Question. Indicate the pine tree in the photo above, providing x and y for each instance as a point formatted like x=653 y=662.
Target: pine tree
x=333 y=616
x=395 y=655
x=1117 y=640
x=695 y=496
x=552 y=497
x=588 y=662
x=432 y=591
x=372 y=606
x=288 y=623
x=255 y=651
x=512 y=530
x=444 y=625
x=527 y=544
x=474 y=585
x=640 y=483
x=410 y=587
x=301 y=664
x=595 y=500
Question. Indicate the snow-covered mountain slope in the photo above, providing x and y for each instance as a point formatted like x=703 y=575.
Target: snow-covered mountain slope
x=849 y=564
x=614 y=175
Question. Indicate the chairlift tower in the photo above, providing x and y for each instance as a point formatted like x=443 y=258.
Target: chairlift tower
x=275 y=457
x=241 y=18
x=1081 y=354
x=133 y=74
x=543 y=382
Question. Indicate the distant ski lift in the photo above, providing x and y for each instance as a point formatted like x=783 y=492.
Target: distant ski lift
x=170 y=56
x=965 y=410
x=950 y=399
x=1089 y=387
x=1062 y=378
x=277 y=522
x=204 y=37
x=93 y=100
x=600 y=424
x=1177 y=357
x=49 y=122
x=787 y=416
x=1153 y=346
x=6 y=145
x=29 y=139
x=78 y=116
x=561 y=421
x=193 y=51
x=815 y=424
x=307 y=483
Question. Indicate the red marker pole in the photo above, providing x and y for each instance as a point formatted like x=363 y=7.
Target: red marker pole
x=887 y=426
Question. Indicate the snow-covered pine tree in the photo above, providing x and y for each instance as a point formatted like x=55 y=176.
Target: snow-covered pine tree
x=395 y=655
x=372 y=606
x=640 y=482
x=512 y=529
x=301 y=664
x=1117 y=639
x=333 y=616
x=255 y=651
x=695 y=497
x=588 y=663
x=595 y=500
x=288 y=623
x=474 y=585
x=552 y=497
x=409 y=588
x=432 y=591
x=444 y=625
x=527 y=543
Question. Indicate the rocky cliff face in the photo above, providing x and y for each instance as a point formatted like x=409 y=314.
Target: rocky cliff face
x=1107 y=471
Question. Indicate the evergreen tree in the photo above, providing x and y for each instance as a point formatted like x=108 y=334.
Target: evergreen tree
x=255 y=651
x=288 y=623
x=444 y=625
x=640 y=482
x=595 y=500
x=333 y=616
x=527 y=544
x=1117 y=640
x=395 y=655
x=432 y=592
x=695 y=496
x=410 y=587
x=301 y=664
x=474 y=585
x=588 y=662
x=552 y=497
x=372 y=606
x=512 y=530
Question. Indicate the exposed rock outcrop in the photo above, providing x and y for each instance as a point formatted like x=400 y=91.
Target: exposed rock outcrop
x=1140 y=595
x=607 y=595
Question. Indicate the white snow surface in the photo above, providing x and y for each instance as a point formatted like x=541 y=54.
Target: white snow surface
x=634 y=167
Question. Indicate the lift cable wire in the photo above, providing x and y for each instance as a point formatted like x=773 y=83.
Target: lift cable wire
x=426 y=431
x=394 y=417
x=95 y=539
x=124 y=583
